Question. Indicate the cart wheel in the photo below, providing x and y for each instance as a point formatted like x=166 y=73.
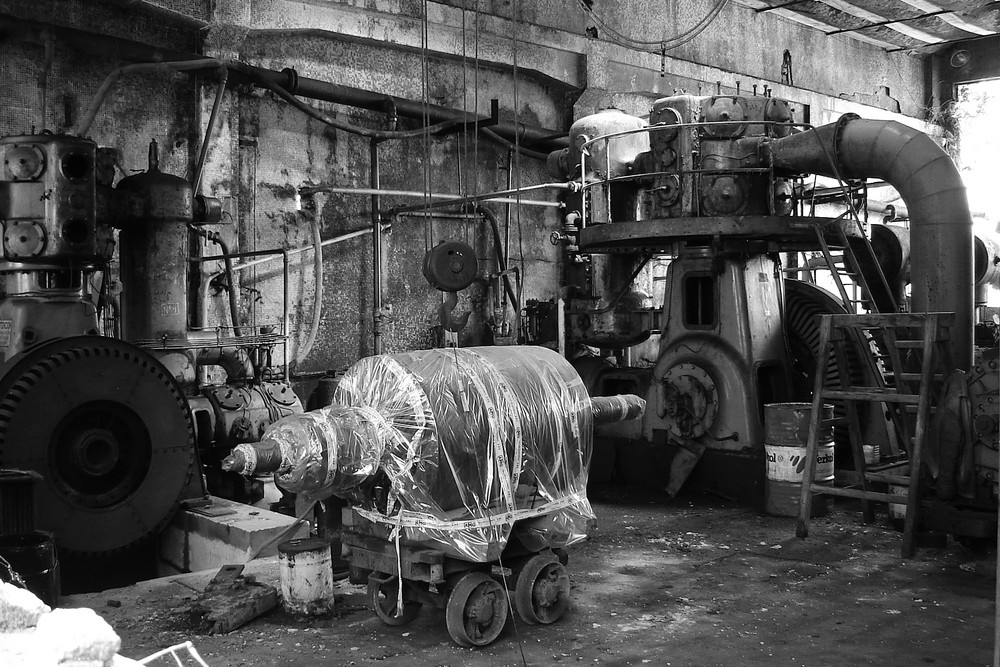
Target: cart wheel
x=477 y=610
x=542 y=591
x=384 y=597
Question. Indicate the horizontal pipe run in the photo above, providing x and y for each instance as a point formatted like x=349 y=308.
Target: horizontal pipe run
x=492 y=196
x=265 y=256
x=16 y=28
x=375 y=135
x=305 y=192
x=527 y=135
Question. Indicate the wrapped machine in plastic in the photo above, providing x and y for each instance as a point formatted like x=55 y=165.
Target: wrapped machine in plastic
x=455 y=448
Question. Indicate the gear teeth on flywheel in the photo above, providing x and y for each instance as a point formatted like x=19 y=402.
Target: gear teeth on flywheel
x=25 y=373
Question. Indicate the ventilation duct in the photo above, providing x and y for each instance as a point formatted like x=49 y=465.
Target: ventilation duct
x=930 y=184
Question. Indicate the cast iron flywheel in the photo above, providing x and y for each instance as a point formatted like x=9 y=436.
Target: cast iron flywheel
x=109 y=431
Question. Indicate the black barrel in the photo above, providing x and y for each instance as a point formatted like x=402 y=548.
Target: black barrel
x=33 y=557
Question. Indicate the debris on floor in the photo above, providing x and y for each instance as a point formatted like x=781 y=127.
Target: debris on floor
x=230 y=600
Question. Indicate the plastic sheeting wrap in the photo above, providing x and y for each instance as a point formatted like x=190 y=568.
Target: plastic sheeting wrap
x=452 y=447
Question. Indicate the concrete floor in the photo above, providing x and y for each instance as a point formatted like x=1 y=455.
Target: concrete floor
x=692 y=581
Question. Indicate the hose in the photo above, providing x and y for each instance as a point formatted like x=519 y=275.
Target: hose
x=526 y=152
x=303 y=352
x=494 y=224
x=215 y=238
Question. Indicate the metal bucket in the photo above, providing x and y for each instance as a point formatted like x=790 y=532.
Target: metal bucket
x=33 y=557
x=786 y=434
x=306 y=573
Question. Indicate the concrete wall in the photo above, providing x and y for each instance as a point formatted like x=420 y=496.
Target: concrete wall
x=264 y=150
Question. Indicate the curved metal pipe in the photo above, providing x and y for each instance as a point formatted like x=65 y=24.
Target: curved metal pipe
x=83 y=127
x=234 y=310
x=233 y=360
x=931 y=186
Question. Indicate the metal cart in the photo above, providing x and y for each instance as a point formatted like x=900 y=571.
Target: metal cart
x=476 y=597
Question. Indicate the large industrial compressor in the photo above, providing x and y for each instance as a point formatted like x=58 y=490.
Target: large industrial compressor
x=103 y=397
x=720 y=190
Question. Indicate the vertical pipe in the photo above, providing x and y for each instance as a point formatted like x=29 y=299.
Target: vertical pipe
x=376 y=252
x=607 y=172
x=508 y=213
x=560 y=325
x=285 y=308
x=583 y=189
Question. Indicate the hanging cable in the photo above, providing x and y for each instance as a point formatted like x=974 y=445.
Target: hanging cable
x=475 y=99
x=425 y=100
x=463 y=139
x=656 y=47
x=517 y=164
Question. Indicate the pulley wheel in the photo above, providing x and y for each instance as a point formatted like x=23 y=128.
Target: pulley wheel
x=109 y=431
x=542 y=591
x=451 y=266
x=477 y=610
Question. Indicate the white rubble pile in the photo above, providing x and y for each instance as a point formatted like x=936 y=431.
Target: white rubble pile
x=20 y=609
x=32 y=635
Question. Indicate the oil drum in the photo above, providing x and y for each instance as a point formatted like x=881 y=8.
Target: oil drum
x=786 y=434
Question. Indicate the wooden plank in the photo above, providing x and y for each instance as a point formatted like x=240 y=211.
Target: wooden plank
x=885 y=320
x=914 y=377
x=871 y=394
x=805 y=498
x=901 y=480
x=230 y=600
x=858 y=493
x=418 y=554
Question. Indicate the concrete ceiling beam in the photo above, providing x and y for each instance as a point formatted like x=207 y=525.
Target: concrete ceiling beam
x=555 y=55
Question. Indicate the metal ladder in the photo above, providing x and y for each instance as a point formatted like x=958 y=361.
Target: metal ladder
x=845 y=265
x=919 y=362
